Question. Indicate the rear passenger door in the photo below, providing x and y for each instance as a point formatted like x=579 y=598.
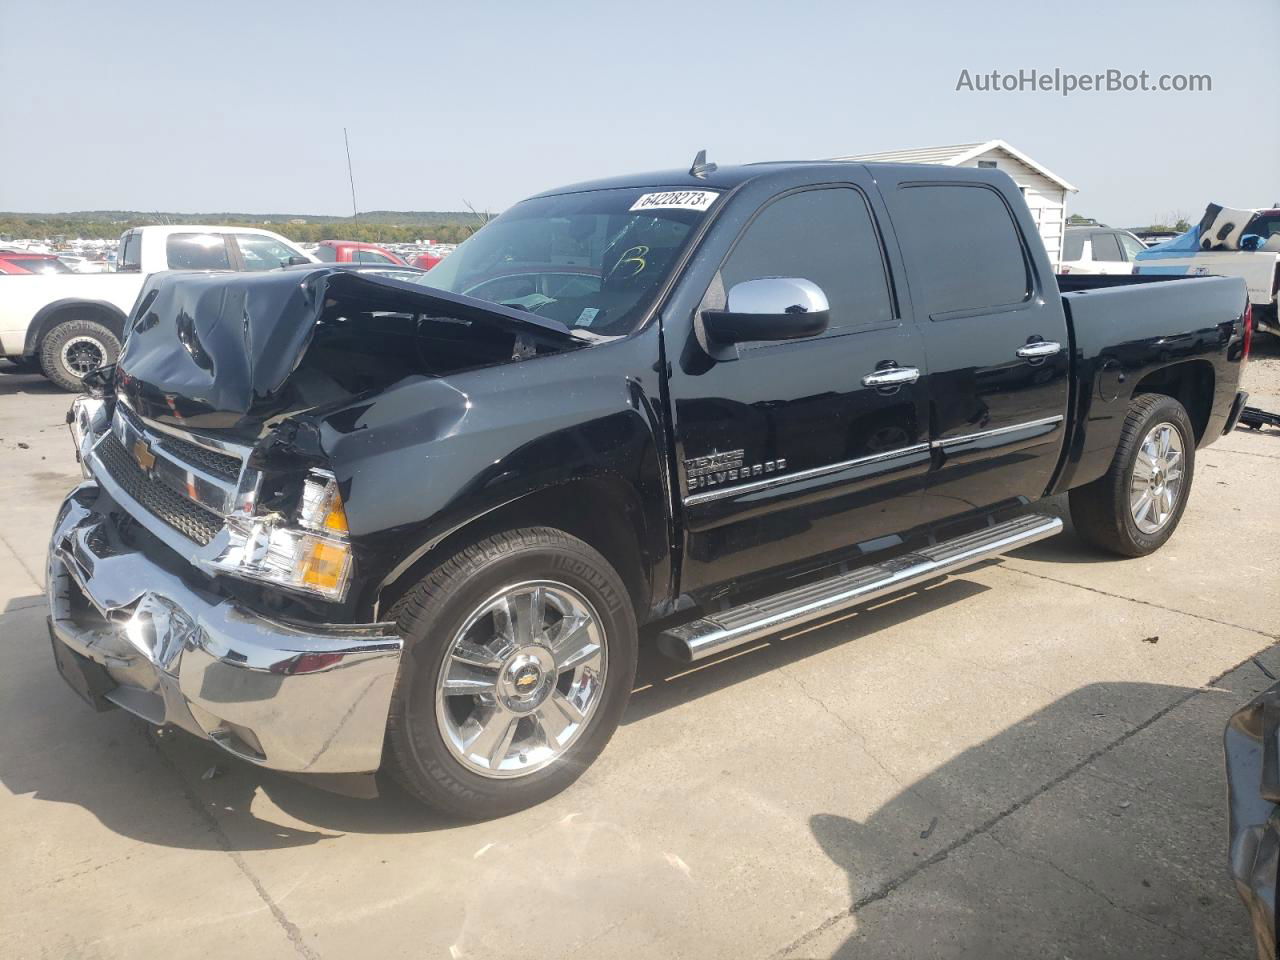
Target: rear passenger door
x=790 y=452
x=986 y=300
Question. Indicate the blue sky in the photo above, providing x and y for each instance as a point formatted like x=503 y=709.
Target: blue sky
x=240 y=106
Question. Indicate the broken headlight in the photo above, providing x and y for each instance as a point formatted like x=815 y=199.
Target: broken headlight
x=308 y=551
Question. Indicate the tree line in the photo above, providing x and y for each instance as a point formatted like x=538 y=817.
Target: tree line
x=19 y=226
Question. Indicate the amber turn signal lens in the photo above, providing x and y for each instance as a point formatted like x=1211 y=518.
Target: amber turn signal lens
x=324 y=565
x=335 y=521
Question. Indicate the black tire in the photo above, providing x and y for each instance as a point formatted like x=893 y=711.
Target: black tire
x=1101 y=510
x=67 y=346
x=432 y=612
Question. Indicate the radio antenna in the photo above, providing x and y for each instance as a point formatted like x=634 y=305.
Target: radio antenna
x=350 y=177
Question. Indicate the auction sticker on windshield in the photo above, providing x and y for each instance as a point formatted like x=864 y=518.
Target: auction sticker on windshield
x=676 y=200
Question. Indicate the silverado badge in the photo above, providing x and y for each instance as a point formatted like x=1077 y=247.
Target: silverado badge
x=717 y=468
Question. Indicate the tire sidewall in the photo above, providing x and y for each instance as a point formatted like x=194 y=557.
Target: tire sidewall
x=1169 y=411
x=427 y=638
x=51 y=349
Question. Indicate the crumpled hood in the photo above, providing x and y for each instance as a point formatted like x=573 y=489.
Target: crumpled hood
x=206 y=349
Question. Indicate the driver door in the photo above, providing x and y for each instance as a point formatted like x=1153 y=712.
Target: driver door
x=793 y=453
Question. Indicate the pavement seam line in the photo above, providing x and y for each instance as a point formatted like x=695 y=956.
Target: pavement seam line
x=1251 y=453
x=889 y=886
x=35 y=581
x=1146 y=603
x=290 y=929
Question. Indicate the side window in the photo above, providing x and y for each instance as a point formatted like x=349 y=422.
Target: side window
x=1073 y=246
x=962 y=249
x=197 y=251
x=130 y=253
x=262 y=253
x=1106 y=247
x=371 y=256
x=326 y=254
x=1132 y=246
x=826 y=236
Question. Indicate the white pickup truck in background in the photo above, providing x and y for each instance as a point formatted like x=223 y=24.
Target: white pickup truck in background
x=1227 y=242
x=67 y=324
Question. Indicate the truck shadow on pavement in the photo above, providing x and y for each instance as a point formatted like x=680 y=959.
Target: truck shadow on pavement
x=170 y=788
x=662 y=683
x=1079 y=831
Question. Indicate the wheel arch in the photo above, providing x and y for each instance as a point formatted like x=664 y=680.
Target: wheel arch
x=1191 y=383
x=52 y=314
x=606 y=514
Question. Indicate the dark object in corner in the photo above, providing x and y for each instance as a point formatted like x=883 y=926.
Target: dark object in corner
x=1256 y=418
x=1253 y=778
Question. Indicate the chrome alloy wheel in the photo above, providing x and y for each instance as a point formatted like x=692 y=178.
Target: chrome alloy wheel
x=521 y=679
x=81 y=355
x=1157 y=478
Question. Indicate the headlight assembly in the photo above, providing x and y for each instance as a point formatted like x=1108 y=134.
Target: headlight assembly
x=309 y=552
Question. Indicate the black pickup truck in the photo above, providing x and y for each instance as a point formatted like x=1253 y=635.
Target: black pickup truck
x=340 y=523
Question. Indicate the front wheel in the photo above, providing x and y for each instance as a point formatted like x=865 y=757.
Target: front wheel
x=1134 y=507
x=520 y=657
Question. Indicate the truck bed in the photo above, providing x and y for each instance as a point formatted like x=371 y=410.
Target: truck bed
x=1124 y=329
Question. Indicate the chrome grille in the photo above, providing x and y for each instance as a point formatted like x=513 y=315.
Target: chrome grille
x=224 y=466
x=185 y=516
x=221 y=465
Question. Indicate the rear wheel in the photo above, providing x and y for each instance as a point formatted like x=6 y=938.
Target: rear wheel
x=520 y=657
x=1136 y=505
x=74 y=348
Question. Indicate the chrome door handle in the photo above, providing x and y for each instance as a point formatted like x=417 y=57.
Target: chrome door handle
x=891 y=377
x=1039 y=350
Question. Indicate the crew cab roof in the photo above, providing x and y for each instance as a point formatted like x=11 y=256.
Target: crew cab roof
x=729 y=177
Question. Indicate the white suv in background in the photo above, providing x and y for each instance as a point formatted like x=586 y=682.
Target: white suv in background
x=1099 y=249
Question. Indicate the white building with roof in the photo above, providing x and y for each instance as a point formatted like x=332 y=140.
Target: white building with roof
x=1045 y=191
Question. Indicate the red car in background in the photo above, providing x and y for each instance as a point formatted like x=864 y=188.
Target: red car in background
x=20 y=261
x=426 y=260
x=351 y=251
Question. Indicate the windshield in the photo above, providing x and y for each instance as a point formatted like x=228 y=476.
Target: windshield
x=594 y=261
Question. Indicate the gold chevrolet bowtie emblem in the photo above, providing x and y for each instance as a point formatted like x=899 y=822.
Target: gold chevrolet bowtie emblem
x=143 y=455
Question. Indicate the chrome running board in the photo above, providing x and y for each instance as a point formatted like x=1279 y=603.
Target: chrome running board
x=751 y=621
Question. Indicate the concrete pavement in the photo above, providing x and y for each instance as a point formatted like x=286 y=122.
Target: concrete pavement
x=1021 y=761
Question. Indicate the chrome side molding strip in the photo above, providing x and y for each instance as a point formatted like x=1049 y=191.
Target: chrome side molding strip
x=998 y=431
x=784 y=478
x=730 y=628
x=781 y=478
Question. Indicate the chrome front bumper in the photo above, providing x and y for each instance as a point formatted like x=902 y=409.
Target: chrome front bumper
x=305 y=700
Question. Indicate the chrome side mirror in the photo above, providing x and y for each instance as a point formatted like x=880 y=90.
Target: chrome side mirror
x=771 y=308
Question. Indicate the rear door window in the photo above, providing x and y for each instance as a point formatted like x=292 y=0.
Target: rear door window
x=197 y=251
x=964 y=253
x=826 y=236
x=1106 y=247
x=262 y=253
